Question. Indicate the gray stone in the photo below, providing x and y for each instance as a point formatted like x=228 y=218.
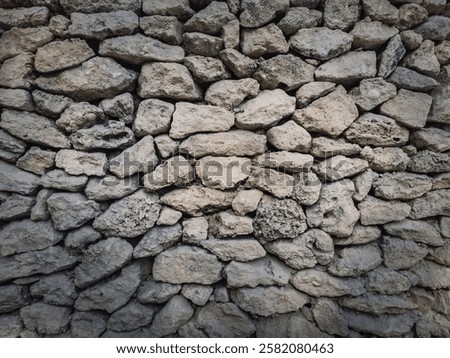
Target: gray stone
x=376 y=211
x=321 y=43
x=45 y=319
x=371 y=34
x=328 y=316
x=210 y=19
x=285 y=161
x=137 y=49
x=278 y=219
x=356 y=260
x=168 y=216
x=11 y=148
x=15 y=180
x=363 y=184
x=411 y=40
x=427 y=162
x=165 y=28
x=372 y=92
x=96 y=78
x=79 y=238
x=341 y=14
x=60 y=180
x=195 y=230
x=339 y=167
x=120 y=107
x=51 y=105
x=401 y=254
x=33 y=129
x=307 y=188
x=206 y=69
x=330 y=115
x=187 y=264
x=385 y=159
x=16 y=99
x=423 y=59
x=153 y=117
x=411 y=80
x=410 y=15
x=157 y=240
x=136 y=213
x=91 y=6
x=436 y=28
x=440 y=110
x=71 y=210
x=234 y=142
x=387 y=281
x=441 y=254
x=10 y=325
x=401 y=186
x=360 y=235
x=278 y=184
x=115 y=292
x=433 y=203
x=230 y=93
x=376 y=130
x=321 y=284
x=290 y=136
x=88 y=324
x=55 y=289
x=156 y=292
x=391 y=56
x=287 y=71
x=348 y=68
x=265 y=271
x=334 y=212
x=220 y=320
x=267 y=301
x=256 y=13
x=433 y=139
x=418 y=231
x=46 y=261
x=431 y=275
x=60 y=55
x=231 y=34
x=178 y=8
x=381 y=325
x=197 y=43
x=16 y=72
x=172 y=316
x=17 y=40
x=24 y=17
x=381 y=10
x=16 y=206
x=442 y=52
x=130 y=317
x=13 y=297
x=299 y=18
x=264 y=40
x=324 y=147
x=26 y=235
x=241 y=250
x=80 y=115
x=197 y=294
x=167 y=147
x=226 y=224
x=241 y=65
x=167 y=80
x=78 y=163
x=101 y=260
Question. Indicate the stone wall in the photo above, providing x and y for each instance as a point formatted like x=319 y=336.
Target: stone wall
x=224 y=168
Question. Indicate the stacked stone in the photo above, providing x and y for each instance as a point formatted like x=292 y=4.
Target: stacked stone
x=232 y=168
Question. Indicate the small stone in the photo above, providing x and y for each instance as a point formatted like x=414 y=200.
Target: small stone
x=60 y=180
x=231 y=34
x=226 y=224
x=442 y=52
x=88 y=324
x=230 y=93
x=92 y=6
x=411 y=80
x=79 y=238
x=334 y=212
x=371 y=34
x=377 y=130
x=13 y=297
x=168 y=216
x=45 y=319
x=360 y=235
x=410 y=15
x=11 y=148
x=165 y=28
x=156 y=292
x=418 y=231
x=267 y=301
x=172 y=316
x=197 y=43
x=130 y=317
x=55 y=289
x=120 y=107
x=242 y=250
x=401 y=254
x=372 y=92
x=78 y=163
x=206 y=69
x=16 y=99
x=60 y=55
x=324 y=147
x=195 y=230
x=11 y=325
x=110 y=187
x=256 y=13
x=210 y=19
x=207 y=119
x=173 y=81
x=348 y=68
x=246 y=201
x=441 y=254
x=427 y=162
x=380 y=10
x=341 y=14
x=157 y=240
x=436 y=28
x=137 y=49
x=440 y=110
x=264 y=40
x=433 y=203
x=356 y=260
x=329 y=318
x=136 y=213
x=386 y=281
x=24 y=17
x=380 y=325
x=17 y=40
x=96 y=78
x=423 y=59
x=197 y=294
x=110 y=135
x=231 y=143
x=153 y=117
x=433 y=139
x=278 y=219
x=241 y=65
x=286 y=161
x=71 y=210
x=363 y=183
x=411 y=40
x=187 y=264
x=339 y=167
x=376 y=211
x=16 y=72
x=16 y=206
x=431 y=275
x=50 y=105
x=307 y=188
x=441 y=181
x=271 y=181
x=403 y=186
x=80 y=115
x=321 y=284
x=385 y=159
x=15 y=180
x=178 y=8
x=299 y=18
x=331 y=114
x=101 y=260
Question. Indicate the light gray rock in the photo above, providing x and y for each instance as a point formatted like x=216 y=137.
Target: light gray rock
x=290 y=136
x=330 y=115
x=441 y=254
x=88 y=324
x=50 y=105
x=206 y=69
x=387 y=281
x=197 y=43
x=411 y=40
x=96 y=78
x=431 y=204
x=211 y=19
x=45 y=319
x=372 y=92
x=92 y=6
x=178 y=8
x=33 y=129
x=278 y=184
x=157 y=240
x=195 y=230
x=130 y=317
x=328 y=316
x=285 y=161
x=60 y=180
x=71 y=210
x=156 y=292
x=339 y=167
x=232 y=143
x=46 y=261
x=363 y=184
x=173 y=81
x=427 y=161
x=13 y=297
x=418 y=231
x=195 y=265
x=341 y=14
x=391 y=56
x=299 y=18
x=136 y=213
x=16 y=206
x=241 y=250
x=164 y=28
x=403 y=186
x=55 y=289
x=401 y=254
x=356 y=260
x=436 y=28
x=26 y=235
x=197 y=294
x=11 y=148
x=79 y=238
x=78 y=116
x=168 y=216
x=371 y=34
x=24 y=17
x=101 y=260
x=381 y=325
x=230 y=93
x=16 y=99
x=321 y=43
x=226 y=224
x=15 y=180
x=137 y=49
x=278 y=219
x=16 y=72
x=241 y=65
x=334 y=212
x=120 y=107
x=267 y=301
x=376 y=211
x=231 y=34
x=264 y=40
x=385 y=159
x=153 y=117
x=431 y=275
x=324 y=147
x=60 y=55
x=256 y=13
x=423 y=59
x=307 y=188
x=286 y=71
x=166 y=146
x=381 y=10
x=77 y=163
x=433 y=139
x=348 y=68
x=360 y=235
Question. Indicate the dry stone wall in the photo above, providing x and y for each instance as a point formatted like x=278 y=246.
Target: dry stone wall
x=224 y=168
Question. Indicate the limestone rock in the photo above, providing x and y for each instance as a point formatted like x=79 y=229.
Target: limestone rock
x=433 y=139
x=329 y=317
x=372 y=92
x=157 y=240
x=403 y=186
x=45 y=319
x=241 y=65
x=231 y=34
x=16 y=72
x=427 y=161
x=91 y=6
x=431 y=275
x=339 y=167
x=167 y=80
x=324 y=147
x=278 y=184
x=423 y=59
x=391 y=56
x=13 y=297
x=197 y=43
x=136 y=213
x=381 y=325
x=431 y=204
x=285 y=161
x=178 y=8
x=79 y=238
x=226 y=224
x=360 y=235
x=401 y=254
x=96 y=78
x=263 y=40
x=16 y=99
x=78 y=163
x=60 y=180
x=195 y=230
x=371 y=34
x=11 y=325
x=246 y=201
x=197 y=294
x=341 y=14
x=230 y=93
x=36 y=160
x=137 y=49
x=24 y=17
x=16 y=206
x=206 y=69
x=418 y=231
x=241 y=250
x=299 y=18
x=290 y=136
x=110 y=187
x=168 y=216
x=307 y=188
x=153 y=117
x=376 y=211
x=11 y=148
x=120 y=107
x=363 y=184
x=78 y=116
x=51 y=105
x=164 y=28
x=15 y=180
x=385 y=159
x=177 y=170
x=187 y=264
x=210 y=19
x=256 y=13
x=381 y=10
x=355 y=261
x=436 y=28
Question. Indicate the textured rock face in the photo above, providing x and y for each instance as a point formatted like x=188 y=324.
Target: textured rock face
x=224 y=168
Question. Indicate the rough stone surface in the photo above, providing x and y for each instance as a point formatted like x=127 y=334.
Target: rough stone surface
x=157 y=240
x=265 y=40
x=354 y=261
